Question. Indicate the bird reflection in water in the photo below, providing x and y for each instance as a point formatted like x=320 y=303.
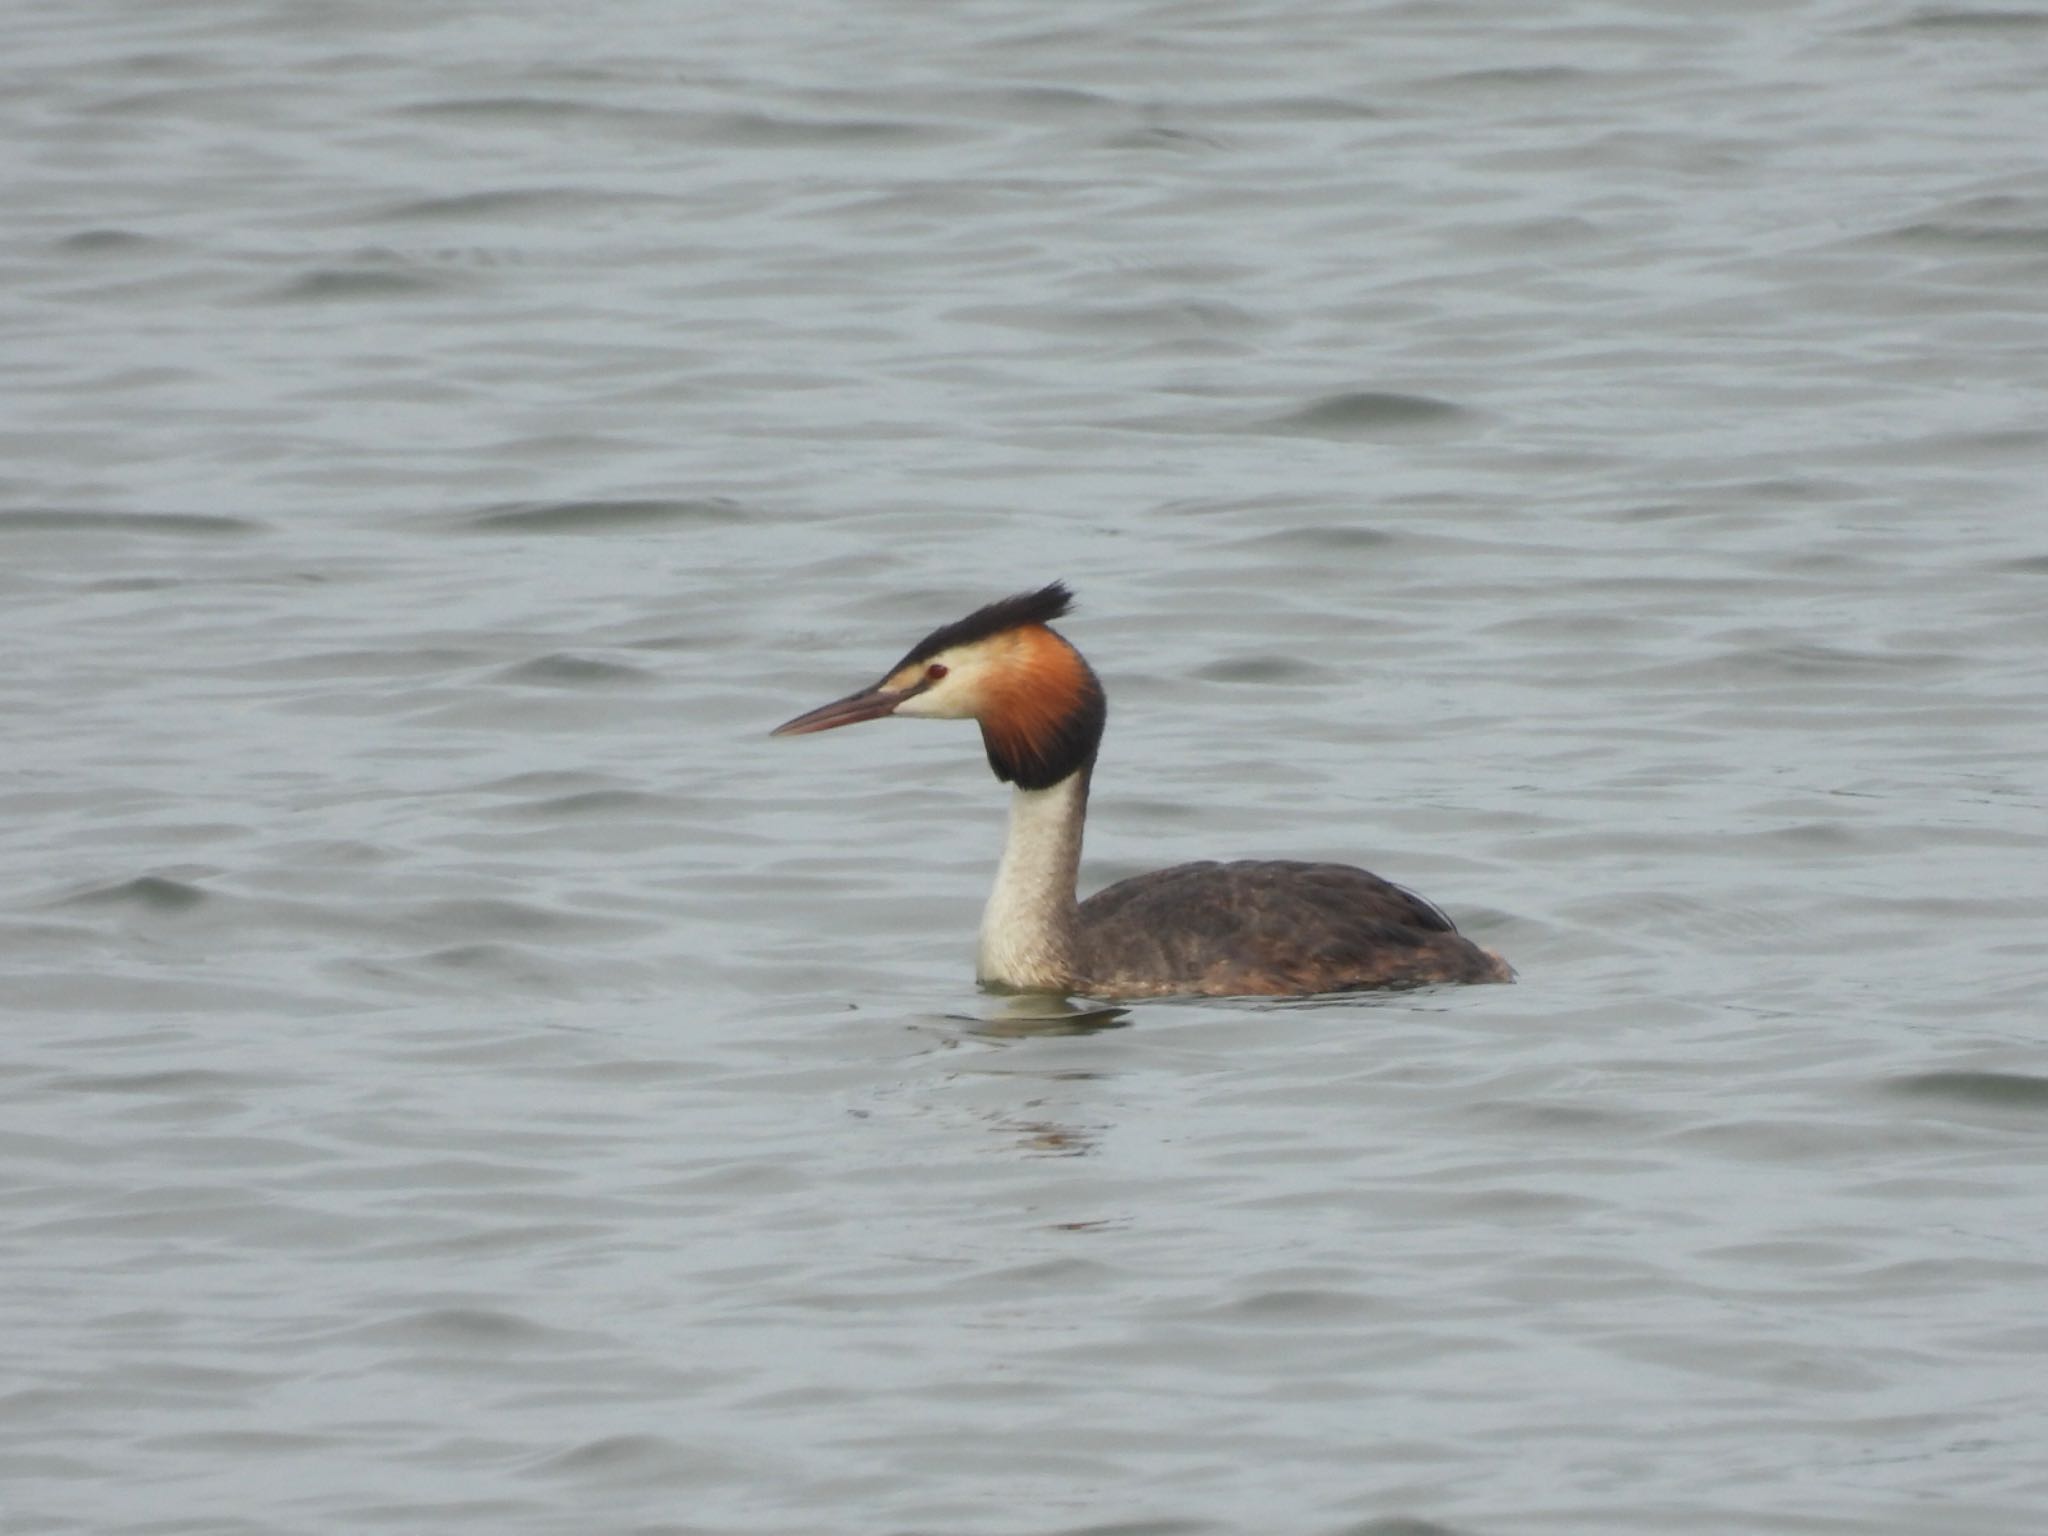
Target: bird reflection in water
x=1026 y=1015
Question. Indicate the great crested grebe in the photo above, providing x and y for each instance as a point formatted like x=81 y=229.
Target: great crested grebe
x=1266 y=928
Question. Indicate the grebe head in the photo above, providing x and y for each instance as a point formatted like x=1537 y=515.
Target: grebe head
x=1040 y=707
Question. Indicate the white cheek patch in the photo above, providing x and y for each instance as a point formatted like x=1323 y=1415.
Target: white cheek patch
x=956 y=696
x=947 y=699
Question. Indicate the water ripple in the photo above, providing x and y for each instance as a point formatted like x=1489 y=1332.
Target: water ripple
x=1365 y=413
x=608 y=516
x=162 y=524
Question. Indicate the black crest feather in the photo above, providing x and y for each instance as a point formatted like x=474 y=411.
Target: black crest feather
x=1040 y=607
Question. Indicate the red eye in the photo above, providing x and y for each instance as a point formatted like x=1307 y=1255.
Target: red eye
x=934 y=672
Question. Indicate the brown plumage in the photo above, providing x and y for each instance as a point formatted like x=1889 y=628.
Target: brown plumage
x=1261 y=928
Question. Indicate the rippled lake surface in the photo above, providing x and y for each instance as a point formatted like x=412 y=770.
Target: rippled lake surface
x=1586 y=462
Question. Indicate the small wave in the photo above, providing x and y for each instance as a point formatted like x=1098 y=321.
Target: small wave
x=1051 y=100
x=1797 y=664
x=1262 y=669
x=1297 y=1305
x=485 y=205
x=558 y=781
x=1165 y=318
x=152 y=893
x=1966 y=21
x=473 y=1327
x=592 y=802
x=493 y=967
x=1517 y=77
x=1987 y=1090
x=1309 y=108
x=171 y=1080
x=761 y=130
x=99 y=242
x=1811 y=660
x=496 y=918
x=326 y=284
x=607 y=516
x=546 y=111
x=236 y=1444
x=1365 y=413
x=2027 y=238
x=633 y=1458
x=475 y=957
x=1321 y=540
x=1159 y=137
x=563 y=671
x=167 y=524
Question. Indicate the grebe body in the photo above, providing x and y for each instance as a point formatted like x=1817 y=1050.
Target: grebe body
x=1253 y=928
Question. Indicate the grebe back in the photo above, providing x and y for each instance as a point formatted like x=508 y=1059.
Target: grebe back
x=1254 y=928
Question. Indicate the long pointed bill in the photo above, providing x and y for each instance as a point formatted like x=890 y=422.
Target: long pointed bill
x=868 y=704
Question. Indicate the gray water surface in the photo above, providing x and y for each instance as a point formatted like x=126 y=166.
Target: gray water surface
x=1585 y=462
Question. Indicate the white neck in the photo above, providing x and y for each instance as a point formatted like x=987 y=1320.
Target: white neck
x=1027 y=929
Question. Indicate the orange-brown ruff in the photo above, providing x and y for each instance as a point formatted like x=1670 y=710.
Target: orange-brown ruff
x=1036 y=689
x=1255 y=928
